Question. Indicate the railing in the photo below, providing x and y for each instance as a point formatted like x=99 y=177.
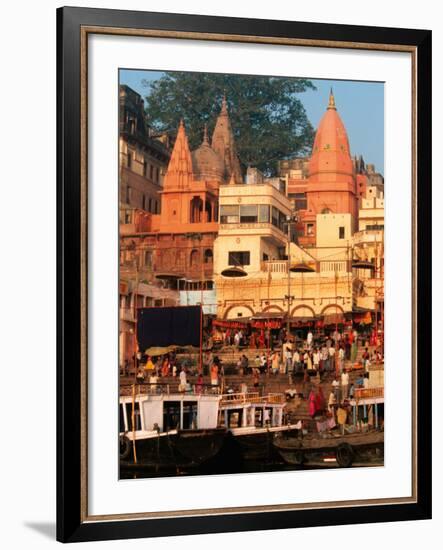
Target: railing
x=281 y=266
x=334 y=266
x=275 y=266
x=241 y=398
x=370 y=236
x=159 y=388
x=253 y=225
x=366 y=393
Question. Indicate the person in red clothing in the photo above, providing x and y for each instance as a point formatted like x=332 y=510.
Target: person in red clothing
x=320 y=401
x=312 y=407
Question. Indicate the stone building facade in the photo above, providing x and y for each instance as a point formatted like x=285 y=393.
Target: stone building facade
x=143 y=158
x=169 y=246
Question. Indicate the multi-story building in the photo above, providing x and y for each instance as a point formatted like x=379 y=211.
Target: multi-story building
x=368 y=251
x=254 y=235
x=316 y=280
x=170 y=248
x=143 y=158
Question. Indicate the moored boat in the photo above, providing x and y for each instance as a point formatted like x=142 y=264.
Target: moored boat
x=168 y=430
x=253 y=420
x=364 y=448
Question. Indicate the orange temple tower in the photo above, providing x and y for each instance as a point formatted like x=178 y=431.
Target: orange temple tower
x=331 y=185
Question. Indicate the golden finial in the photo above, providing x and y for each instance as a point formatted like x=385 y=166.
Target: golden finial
x=332 y=101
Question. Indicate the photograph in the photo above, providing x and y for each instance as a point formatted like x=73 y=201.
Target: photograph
x=251 y=273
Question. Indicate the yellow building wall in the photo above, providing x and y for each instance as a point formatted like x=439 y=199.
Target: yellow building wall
x=328 y=232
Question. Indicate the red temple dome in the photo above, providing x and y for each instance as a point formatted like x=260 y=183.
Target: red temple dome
x=331 y=158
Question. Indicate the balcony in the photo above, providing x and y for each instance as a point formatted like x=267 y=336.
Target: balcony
x=281 y=266
x=264 y=229
x=368 y=237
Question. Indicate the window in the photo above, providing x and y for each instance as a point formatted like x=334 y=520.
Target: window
x=145 y=168
x=171 y=415
x=278 y=218
x=341 y=232
x=128 y=195
x=263 y=213
x=239 y=258
x=137 y=419
x=281 y=221
x=248 y=213
x=375 y=227
x=157 y=174
x=229 y=214
x=150 y=204
x=274 y=216
x=156 y=207
x=208 y=256
x=301 y=202
x=129 y=159
x=265 y=257
x=310 y=229
x=189 y=415
x=151 y=171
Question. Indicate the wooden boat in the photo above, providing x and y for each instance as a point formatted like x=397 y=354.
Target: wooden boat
x=253 y=420
x=345 y=450
x=169 y=430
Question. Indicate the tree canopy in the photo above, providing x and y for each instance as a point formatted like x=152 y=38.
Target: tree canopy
x=268 y=119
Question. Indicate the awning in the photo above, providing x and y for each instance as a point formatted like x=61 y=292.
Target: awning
x=268 y=315
x=231 y=323
x=333 y=319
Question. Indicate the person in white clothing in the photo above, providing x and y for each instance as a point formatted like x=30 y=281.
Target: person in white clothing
x=183 y=379
x=309 y=339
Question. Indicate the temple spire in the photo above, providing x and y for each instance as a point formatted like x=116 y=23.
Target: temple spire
x=331 y=104
x=223 y=144
x=180 y=164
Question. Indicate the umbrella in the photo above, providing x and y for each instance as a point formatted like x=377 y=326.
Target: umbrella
x=156 y=351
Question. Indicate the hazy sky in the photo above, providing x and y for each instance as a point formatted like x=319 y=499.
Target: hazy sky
x=360 y=104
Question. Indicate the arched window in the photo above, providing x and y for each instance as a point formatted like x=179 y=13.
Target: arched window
x=208 y=256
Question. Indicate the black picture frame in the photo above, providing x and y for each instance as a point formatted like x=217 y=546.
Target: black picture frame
x=72 y=525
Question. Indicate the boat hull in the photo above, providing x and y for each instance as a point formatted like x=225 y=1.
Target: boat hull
x=343 y=450
x=183 y=449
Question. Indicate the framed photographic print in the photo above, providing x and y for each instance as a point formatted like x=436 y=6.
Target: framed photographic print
x=244 y=274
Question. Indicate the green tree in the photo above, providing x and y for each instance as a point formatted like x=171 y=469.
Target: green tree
x=268 y=119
